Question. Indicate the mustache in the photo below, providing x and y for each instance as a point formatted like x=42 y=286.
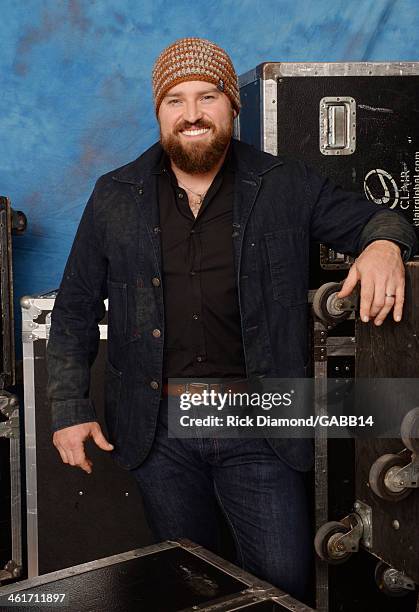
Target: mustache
x=198 y=125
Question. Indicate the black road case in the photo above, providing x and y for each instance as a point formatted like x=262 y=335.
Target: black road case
x=357 y=123
x=11 y=222
x=166 y=577
x=71 y=517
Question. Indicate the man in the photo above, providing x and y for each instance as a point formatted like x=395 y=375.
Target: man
x=201 y=245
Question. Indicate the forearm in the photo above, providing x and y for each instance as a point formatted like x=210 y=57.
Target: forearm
x=388 y=225
x=74 y=335
x=71 y=350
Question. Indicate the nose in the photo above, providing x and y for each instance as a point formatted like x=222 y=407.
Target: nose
x=192 y=112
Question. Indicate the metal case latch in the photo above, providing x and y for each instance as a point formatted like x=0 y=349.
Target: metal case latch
x=337 y=126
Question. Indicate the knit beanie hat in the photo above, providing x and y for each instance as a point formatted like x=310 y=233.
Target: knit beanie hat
x=194 y=59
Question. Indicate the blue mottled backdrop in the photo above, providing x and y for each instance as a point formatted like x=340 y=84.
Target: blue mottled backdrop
x=76 y=99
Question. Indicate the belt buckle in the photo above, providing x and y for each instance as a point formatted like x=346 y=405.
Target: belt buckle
x=203 y=386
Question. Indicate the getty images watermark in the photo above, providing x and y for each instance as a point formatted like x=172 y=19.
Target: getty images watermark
x=290 y=408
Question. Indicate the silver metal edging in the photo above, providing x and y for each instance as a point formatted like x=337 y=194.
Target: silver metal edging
x=86 y=567
x=343 y=68
x=227 y=567
x=269 y=115
x=274 y=70
x=30 y=458
x=16 y=499
x=40 y=332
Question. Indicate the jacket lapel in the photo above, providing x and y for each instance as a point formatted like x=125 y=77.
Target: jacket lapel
x=250 y=165
x=143 y=184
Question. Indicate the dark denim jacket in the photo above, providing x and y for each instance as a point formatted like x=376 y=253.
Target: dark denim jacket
x=279 y=206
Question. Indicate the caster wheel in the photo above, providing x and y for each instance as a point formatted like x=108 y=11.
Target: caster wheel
x=323 y=304
x=381 y=478
x=325 y=543
x=385 y=577
x=409 y=430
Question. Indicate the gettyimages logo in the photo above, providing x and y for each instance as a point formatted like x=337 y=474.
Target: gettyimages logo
x=381 y=188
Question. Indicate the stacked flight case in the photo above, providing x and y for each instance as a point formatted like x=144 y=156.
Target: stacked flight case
x=71 y=517
x=357 y=123
x=11 y=222
x=194 y=580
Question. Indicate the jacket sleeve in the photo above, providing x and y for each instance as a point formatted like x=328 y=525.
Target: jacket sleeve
x=74 y=334
x=390 y=225
x=347 y=222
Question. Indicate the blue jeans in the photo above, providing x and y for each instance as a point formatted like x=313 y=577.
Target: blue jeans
x=263 y=500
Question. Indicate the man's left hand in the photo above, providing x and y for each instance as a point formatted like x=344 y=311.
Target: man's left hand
x=380 y=270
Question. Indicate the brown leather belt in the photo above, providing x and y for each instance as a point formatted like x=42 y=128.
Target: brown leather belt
x=178 y=389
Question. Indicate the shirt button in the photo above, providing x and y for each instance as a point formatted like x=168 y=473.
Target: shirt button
x=192 y=272
x=156 y=333
x=180 y=195
x=154 y=384
x=155 y=281
x=195 y=316
x=200 y=358
x=156 y=229
x=140 y=191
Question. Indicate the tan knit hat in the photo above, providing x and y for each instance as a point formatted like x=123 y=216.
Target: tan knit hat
x=194 y=59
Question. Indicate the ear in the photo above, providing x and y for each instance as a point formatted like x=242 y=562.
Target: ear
x=235 y=113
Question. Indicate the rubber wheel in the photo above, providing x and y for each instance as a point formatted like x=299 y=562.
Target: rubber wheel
x=320 y=303
x=409 y=430
x=377 y=474
x=322 y=539
x=386 y=589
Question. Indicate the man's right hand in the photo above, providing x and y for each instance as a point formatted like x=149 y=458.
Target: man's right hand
x=70 y=443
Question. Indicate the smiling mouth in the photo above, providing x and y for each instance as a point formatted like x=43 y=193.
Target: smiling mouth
x=195 y=132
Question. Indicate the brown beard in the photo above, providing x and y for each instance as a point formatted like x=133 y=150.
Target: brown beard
x=200 y=157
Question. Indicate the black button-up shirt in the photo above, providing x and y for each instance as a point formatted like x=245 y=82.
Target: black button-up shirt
x=203 y=329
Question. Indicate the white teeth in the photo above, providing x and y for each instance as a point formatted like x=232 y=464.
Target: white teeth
x=195 y=132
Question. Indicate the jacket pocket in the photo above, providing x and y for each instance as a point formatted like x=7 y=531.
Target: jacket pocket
x=113 y=384
x=288 y=265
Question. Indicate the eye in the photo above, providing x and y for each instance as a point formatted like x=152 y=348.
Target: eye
x=174 y=102
x=209 y=97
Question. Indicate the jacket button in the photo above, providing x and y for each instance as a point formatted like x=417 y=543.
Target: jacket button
x=156 y=333
x=154 y=384
x=155 y=281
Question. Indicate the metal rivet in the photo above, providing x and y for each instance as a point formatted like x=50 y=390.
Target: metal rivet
x=154 y=384
x=156 y=333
